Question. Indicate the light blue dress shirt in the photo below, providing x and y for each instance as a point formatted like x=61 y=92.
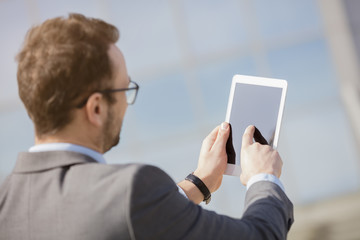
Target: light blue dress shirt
x=264 y=177
x=47 y=147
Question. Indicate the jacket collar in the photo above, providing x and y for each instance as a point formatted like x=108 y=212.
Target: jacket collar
x=41 y=161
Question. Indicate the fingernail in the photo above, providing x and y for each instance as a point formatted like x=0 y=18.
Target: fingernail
x=224 y=126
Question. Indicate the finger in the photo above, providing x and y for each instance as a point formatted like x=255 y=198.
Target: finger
x=223 y=135
x=210 y=139
x=248 y=136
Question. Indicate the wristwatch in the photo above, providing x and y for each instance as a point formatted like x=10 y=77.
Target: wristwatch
x=201 y=186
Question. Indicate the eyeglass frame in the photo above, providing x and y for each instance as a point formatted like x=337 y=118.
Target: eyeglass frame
x=136 y=88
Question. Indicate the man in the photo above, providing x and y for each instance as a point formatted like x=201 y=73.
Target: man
x=74 y=84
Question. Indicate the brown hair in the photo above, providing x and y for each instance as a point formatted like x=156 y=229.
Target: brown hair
x=63 y=61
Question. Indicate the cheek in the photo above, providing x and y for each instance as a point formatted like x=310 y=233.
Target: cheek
x=121 y=105
x=121 y=109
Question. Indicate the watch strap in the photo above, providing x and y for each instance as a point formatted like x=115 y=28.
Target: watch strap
x=201 y=186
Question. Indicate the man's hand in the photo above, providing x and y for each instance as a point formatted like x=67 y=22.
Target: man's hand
x=257 y=158
x=211 y=165
x=213 y=158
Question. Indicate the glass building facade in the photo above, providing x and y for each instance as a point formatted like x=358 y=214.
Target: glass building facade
x=184 y=53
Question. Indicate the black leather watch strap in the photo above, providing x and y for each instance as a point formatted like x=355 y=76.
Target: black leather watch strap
x=201 y=186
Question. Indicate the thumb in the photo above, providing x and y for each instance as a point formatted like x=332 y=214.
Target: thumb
x=223 y=135
x=210 y=139
x=248 y=136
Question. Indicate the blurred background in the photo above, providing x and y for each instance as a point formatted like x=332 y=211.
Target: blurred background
x=183 y=54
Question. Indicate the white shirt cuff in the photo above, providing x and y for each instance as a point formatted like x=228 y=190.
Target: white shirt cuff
x=264 y=177
x=182 y=192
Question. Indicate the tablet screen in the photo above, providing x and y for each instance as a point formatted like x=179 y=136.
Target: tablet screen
x=254 y=105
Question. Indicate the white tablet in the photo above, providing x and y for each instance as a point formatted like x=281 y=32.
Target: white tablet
x=253 y=101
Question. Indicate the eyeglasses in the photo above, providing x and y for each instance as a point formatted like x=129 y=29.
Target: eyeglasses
x=131 y=93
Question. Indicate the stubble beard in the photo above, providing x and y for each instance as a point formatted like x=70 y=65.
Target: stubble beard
x=111 y=138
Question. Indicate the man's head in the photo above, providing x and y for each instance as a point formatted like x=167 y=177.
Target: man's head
x=63 y=64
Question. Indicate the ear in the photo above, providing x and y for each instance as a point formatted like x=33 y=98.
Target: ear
x=96 y=109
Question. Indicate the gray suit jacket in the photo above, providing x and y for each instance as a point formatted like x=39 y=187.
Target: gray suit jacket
x=67 y=195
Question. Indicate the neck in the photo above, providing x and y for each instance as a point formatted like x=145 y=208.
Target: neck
x=74 y=137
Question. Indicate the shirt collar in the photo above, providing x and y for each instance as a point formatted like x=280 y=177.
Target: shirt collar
x=48 y=147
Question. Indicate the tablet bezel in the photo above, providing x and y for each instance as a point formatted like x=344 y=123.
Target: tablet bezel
x=233 y=169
